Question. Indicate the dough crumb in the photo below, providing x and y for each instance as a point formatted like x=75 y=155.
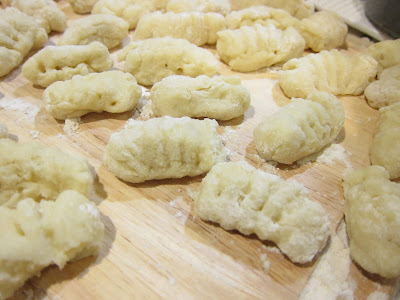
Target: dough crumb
x=71 y=126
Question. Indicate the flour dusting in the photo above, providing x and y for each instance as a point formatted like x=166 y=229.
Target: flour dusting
x=28 y=109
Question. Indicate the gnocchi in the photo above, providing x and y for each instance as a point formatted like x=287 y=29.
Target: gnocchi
x=82 y=6
x=386 y=53
x=219 y=6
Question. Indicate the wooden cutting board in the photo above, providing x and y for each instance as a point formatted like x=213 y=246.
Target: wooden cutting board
x=155 y=246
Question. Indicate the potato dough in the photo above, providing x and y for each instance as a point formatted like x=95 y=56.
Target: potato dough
x=335 y=72
x=386 y=90
x=198 y=28
x=300 y=128
x=55 y=63
x=153 y=59
x=36 y=235
x=219 y=97
x=219 y=6
x=251 y=48
x=82 y=6
x=112 y=91
x=386 y=53
x=385 y=149
x=238 y=196
x=372 y=212
x=323 y=30
x=31 y=170
x=106 y=29
x=164 y=148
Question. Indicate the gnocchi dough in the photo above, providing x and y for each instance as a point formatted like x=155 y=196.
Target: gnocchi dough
x=30 y=170
x=197 y=28
x=35 y=235
x=82 y=6
x=106 y=29
x=153 y=59
x=386 y=90
x=218 y=97
x=372 y=212
x=385 y=149
x=112 y=91
x=58 y=63
x=301 y=128
x=164 y=148
x=335 y=72
x=323 y=30
x=238 y=196
x=386 y=53
x=250 y=48
x=219 y=6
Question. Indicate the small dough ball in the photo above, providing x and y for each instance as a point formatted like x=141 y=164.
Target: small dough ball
x=372 y=212
x=251 y=48
x=36 y=235
x=323 y=30
x=58 y=63
x=112 y=91
x=219 y=6
x=218 y=97
x=238 y=196
x=164 y=148
x=385 y=149
x=153 y=59
x=106 y=29
x=335 y=72
x=300 y=128
x=82 y=6
x=386 y=53
x=198 y=28
x=30 y=170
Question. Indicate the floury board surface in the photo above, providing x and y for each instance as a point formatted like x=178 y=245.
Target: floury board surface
x=155 y=246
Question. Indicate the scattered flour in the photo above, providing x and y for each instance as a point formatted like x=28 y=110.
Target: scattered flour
x=172 y=203
x=34 y=133
x=171 y=281
x=266 y=263
x=28 y=109
x=61 y=136
x=71 y=126
x=179 y=214
x=3 y=131
x=378 y=296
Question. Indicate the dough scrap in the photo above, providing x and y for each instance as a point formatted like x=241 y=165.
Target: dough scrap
x=335 y=72
x=82 y=6
x=219 y=97
x=30 y=170
x=198 y=28
x=372 y=212
x=323 y=30
x=385 y=149
x=164 y=148
x=238 y=196
x=300 y=128
x=153 y=59
x=36 y=235
x=219 y=6
x=112 y=91
x=106 y=29
x=386 y=53
x=58 y=63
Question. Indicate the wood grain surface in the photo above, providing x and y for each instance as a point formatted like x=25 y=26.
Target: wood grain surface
x=155 y=246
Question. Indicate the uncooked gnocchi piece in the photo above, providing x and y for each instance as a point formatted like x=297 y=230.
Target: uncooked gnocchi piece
x=106 y=29
x=154 y=59
x=198 y=28
x=301 y=128
x=30 y=170
x=385 y=149
x=250 y=48
x=219 y=6
x=36 y=235
x=323 y=30
x=112 y=91
x=335 y=72
x=164 y=148
x=238 y=196
x=82 y=6
x=386 y=90
x=58 y=63
x=372 y=212
x=262 y=15
x=386 y=53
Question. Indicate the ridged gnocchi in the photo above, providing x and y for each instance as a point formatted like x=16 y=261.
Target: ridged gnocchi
x=82 y=6
x=219 y=6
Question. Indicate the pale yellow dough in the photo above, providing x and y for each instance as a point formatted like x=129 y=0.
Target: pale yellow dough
x=300 y=128
x=323 y=30
x=198 y=28
x=82 y=6
x=336 y=72
x=58 y=63
x=36 y=235
x=219 y=97
x=112 y=91
x=386 y=53
x=106 y=29
x=219 y=6
x=372 y=212
x=3 y=131
x=238 y=196
x=153 y=59
x=385 y=149
x=164 y=148
x=30 y=170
